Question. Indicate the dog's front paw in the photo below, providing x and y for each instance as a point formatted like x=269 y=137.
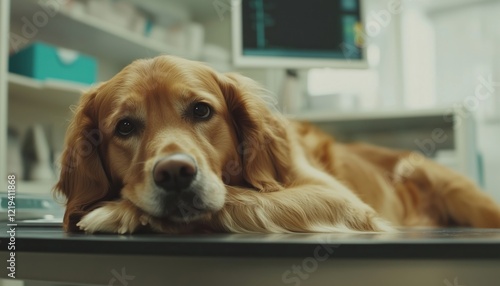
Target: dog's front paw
x=368 y=220
x=113 y=217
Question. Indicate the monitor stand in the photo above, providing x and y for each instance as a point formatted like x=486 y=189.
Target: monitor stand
x=291 y=97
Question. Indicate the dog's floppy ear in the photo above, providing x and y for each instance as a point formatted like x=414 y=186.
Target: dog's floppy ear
x=82 y=180
x=263 y=140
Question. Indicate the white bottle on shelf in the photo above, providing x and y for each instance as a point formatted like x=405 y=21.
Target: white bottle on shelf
x=40 y=167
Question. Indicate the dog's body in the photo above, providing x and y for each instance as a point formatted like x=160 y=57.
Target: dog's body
x=172 y=146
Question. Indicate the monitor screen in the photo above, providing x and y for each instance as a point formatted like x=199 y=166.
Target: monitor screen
x=298 y=33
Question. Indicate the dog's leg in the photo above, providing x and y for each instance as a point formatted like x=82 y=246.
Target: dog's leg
x=454 y=197
x=124 y=217
x=114 y=217
x=309 y=208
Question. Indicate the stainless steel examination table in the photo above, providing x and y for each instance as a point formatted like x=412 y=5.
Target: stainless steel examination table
x=465 y=257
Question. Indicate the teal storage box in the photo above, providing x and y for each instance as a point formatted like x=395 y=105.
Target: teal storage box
x=42 y=61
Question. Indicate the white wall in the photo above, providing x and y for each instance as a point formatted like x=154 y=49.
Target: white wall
x=464 y=47
x=419 y=58
x=467 y=49
x=387 y=42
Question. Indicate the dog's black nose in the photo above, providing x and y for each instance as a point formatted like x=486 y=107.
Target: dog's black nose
x=175 y=172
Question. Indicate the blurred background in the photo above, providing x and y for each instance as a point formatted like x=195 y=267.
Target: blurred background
x=412 y=74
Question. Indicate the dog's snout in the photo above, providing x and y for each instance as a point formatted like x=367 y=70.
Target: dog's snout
x=175 y=172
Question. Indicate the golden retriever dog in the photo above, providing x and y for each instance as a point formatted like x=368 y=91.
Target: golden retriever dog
x=169 y=145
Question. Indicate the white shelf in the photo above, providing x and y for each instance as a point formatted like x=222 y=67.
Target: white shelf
x=442 y=5
x=324 y=116
x=168 y=12
x=91 y=35
x=406 y=129
x=172 y=11
x=49 y=92
x=35 y=187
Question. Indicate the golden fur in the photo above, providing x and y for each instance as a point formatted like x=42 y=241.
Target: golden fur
x=258 y=172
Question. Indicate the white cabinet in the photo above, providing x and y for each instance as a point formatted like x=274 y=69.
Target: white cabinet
x=447 y=135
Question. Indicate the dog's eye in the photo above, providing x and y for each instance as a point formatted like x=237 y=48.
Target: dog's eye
x=125 y=127
x=201 y=110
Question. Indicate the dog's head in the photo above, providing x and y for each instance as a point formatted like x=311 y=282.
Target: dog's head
x=169 y=134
